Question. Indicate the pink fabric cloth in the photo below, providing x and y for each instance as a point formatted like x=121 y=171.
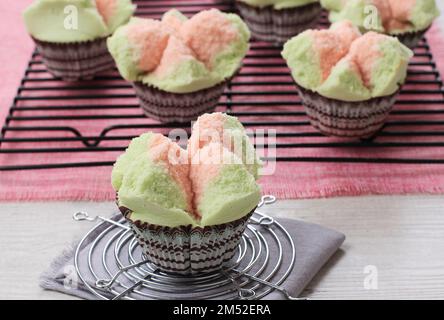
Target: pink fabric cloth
x=291 y=180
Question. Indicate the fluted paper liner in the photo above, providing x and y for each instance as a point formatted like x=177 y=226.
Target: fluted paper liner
x=75 y=61
x=269 y=24
x=188 y=249
x=411 y=39
x=174 y=107
x=360 y=119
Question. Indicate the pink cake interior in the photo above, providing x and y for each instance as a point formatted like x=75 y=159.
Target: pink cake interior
x=332 y=45
x=384 y=10
x=106 y=8
x=163 y=44
x=173 y=22
x=347 y=32
x=400 y=13
x=165 y=152
x=150 y=39
x=205 y=169
x=330 y=49
x=175 y=53
x=207 y=33
x=364 y=52
x=208 y=128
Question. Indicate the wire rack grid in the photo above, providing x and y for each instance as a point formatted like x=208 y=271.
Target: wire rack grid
x=87 y=124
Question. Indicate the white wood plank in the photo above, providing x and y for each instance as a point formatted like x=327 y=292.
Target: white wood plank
x=402 y=236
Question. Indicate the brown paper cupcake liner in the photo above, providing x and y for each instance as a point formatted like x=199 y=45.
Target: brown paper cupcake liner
x=174 y=107
x=75 y=61
x=187 y=249
x=346 y=119
x=269 y=24
x=411 y=39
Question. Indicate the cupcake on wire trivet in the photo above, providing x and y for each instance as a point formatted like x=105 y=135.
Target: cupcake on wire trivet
x=189 y=208
x=70 y=35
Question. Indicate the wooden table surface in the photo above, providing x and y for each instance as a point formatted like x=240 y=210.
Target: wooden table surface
x=402 y=238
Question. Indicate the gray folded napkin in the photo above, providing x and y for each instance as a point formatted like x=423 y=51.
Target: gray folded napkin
x=314 y=245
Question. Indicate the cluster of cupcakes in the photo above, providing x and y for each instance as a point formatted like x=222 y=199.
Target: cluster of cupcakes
x=347 y=76
x=189 y=208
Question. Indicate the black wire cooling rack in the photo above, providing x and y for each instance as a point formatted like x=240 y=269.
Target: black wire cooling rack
x=67 y=124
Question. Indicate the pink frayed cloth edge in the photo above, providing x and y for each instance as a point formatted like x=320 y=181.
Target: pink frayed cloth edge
x=290 y=180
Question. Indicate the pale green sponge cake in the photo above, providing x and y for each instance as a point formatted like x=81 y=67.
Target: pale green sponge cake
x=68 y=21
x=342 y=64
x=344 y=83
x=162 y=184
x=223 y=188
x=153 y=185
x=303 y=60
x=393 y=16
x=181 y=55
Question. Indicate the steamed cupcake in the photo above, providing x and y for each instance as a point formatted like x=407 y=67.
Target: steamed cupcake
x=348 y=82
x=71 y=35
x=279 y=20
x=180 y=67
x=408 y=20
x=187 y=215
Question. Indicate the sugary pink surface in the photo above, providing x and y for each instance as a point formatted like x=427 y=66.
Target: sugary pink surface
x=401 y=10
x=208 y=128
x=313 y=180
x=332 y=45
x=207 y=33
x=205 y=169
x=163 y=45
x=330 y=49
x=106 y=8
x=173 y=22
x=176 y=52
x=347 y=32
x=400 y=14
x=364 y=52
x=149 y=39
x=384 y=10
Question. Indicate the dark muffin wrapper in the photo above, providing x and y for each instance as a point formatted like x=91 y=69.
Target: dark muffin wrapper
x=76 y=61
x=411 y=39
x=361 y=119
x=177 y=107
x=269 y=24
x=186 y=249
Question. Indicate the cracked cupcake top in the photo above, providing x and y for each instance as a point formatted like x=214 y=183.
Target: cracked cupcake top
x=340 y=63
x=65 y=21
x=181 y=55
x=212 y=182
x=394 y=16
